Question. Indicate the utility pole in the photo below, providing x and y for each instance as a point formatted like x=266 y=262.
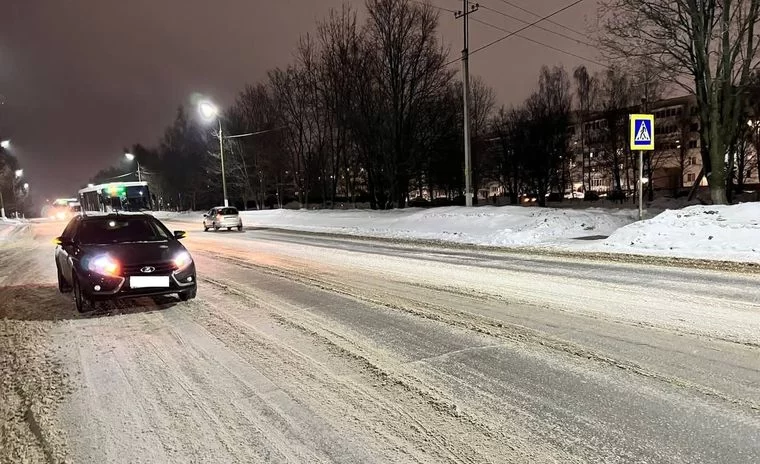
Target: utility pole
x=221 y=156
x=466 y=10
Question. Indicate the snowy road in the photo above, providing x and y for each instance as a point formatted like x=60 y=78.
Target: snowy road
x=311 y=349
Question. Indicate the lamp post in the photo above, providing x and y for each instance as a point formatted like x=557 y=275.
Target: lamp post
x=208 y=112
x=132 y=157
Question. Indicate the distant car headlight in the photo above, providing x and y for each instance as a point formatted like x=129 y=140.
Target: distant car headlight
x=104 y=265
x=182 y=260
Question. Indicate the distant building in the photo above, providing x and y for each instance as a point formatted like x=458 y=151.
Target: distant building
x=675 y=162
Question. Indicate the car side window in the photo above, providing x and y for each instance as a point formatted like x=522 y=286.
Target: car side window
x=70 y=229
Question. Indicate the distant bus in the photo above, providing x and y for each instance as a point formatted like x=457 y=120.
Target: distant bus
x=116 y=196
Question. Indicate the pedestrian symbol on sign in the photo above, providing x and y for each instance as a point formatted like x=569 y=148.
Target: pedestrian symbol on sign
x=642 y=132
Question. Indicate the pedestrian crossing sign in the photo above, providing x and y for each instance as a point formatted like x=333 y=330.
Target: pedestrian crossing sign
x=642 y=131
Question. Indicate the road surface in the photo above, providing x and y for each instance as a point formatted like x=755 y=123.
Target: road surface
x=302 y=348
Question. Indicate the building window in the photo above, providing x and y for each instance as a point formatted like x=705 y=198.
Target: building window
x=691 y=177
x=693 y=144
x=694 y=127
x=693 y=160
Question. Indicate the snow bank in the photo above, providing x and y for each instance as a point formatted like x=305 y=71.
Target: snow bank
x=487 y=225
x=710 y=232
x=8 y=227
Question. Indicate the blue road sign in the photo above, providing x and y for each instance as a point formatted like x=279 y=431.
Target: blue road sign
x=642 y=132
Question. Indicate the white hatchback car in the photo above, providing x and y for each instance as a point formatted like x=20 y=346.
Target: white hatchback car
x=222 y=217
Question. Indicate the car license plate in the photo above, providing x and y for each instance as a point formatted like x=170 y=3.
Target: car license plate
x=149 y=282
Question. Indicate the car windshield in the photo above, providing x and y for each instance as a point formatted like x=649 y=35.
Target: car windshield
x=103 y=231
x=228 y=211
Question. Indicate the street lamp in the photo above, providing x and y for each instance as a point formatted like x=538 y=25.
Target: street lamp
x=19 y=173
x=131 y=157
x=5 y=144
x=26 y=186
x=209 y=112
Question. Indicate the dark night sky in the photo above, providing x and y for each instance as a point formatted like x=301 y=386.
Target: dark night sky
x=81 y=79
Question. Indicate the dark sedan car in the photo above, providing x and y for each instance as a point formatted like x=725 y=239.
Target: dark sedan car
x=122 y=255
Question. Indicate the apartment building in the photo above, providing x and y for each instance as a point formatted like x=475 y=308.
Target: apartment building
x=674 y=164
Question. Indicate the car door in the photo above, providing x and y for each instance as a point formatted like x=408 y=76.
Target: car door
x=67 y=250
x=208 y=221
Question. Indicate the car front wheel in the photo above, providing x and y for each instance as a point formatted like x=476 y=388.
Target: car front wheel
x=79 y=300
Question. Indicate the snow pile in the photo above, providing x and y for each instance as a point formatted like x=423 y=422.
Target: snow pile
x=8 y=227
x=487 y=225
x=711 y=232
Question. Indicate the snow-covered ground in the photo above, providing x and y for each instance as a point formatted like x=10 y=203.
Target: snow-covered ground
x=710 y=232
x=491 y=226
x=706 y=232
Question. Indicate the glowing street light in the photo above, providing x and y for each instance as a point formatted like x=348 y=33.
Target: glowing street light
x=19 y=172
x=208 y=112
x=131 y=157
x=5 y=144
x=26 y=186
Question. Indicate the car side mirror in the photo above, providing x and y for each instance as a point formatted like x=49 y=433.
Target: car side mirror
x=179 y=234
x=63 y=241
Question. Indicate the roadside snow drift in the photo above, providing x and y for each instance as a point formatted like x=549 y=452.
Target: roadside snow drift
x=710 y=232
x=487 y=225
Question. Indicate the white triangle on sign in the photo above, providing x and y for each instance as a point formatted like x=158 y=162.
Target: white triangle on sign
x=643 y=134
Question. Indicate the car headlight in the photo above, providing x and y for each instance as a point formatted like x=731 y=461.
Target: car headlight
x=182 y=260
x=104 y=265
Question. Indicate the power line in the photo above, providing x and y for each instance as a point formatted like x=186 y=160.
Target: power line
x=559 y=34
x=540 y=43
x=543 y=18
x=533 y=13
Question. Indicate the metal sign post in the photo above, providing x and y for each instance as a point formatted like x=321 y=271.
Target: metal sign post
x=642 y=139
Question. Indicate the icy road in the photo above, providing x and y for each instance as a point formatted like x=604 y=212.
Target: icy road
x=302 y=348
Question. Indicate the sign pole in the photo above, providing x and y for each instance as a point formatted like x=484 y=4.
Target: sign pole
x=642 y=139
x=641 y=185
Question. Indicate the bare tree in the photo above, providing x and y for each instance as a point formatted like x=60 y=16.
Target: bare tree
x=549 y=116
x=482 y=103
x=586 y=91
x=411 y=75
x=509 y=127
x=617 y=95
x=709 y=47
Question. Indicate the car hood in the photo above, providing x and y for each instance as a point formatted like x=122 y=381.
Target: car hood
x=136 y=253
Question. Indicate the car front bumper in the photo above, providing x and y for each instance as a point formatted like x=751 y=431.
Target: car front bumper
x=112 y=288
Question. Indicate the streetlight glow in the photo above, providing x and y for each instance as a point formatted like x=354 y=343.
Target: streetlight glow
x=19 y=172
x=26 y=186
x=208 y=110
x=129 y=156
x=5 y=144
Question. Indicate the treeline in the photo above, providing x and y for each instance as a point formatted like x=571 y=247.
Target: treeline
x=372 y=112
x=15 y=199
